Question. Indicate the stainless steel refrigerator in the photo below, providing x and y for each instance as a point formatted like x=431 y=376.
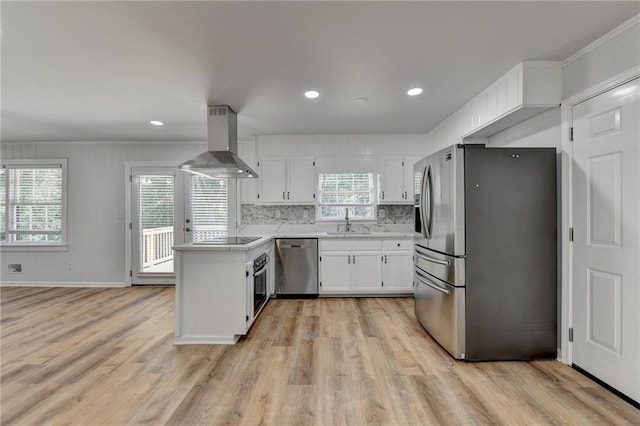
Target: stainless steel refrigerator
x=485 y=267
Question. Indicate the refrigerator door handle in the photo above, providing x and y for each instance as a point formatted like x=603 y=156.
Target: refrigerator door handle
x=426 y=232
x=422 y=255
x=429 y=181
x=422 y=279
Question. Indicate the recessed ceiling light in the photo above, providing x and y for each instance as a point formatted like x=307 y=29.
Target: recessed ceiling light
x=156 y=123
x=415 y=91
x=311 y=94
x=362 y=100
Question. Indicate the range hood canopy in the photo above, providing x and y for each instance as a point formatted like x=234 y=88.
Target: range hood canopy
x=221 y=161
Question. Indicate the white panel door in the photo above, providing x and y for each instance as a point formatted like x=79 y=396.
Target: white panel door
x=272 y=177
x=301 y=179
x=367 y=272
x=398 y=271
x=606 y=182
x=335 y=272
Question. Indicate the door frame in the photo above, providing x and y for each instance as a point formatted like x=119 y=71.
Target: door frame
x=565 y=354
x=128 y=191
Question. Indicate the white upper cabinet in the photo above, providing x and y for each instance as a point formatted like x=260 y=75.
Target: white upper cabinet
x=247 y=153
x=391 y=180
x=396 y=180
x=301 y=180
x=286 y=181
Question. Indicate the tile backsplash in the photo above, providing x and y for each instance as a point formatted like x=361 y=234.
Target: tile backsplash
x=275 y=215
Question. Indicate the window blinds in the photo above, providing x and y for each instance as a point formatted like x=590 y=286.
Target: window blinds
x=35 y=203
x=209 y=208
x=339 y=191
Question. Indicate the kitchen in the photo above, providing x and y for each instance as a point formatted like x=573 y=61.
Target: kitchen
x=108 y=202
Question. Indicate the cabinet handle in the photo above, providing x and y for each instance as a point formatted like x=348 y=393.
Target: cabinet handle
x=283 y=195
x=406 y=196
x=354 y=259
x=383 y=195
x=385 y=258
x=287 y=195
x=349 y=259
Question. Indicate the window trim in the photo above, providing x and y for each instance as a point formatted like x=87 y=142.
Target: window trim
x=39 y=162
x=374 y=201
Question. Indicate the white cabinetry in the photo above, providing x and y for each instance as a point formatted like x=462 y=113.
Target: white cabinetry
x=350 y=266
x=397 y=267
x=247 y=153
x=286 y=181
x=366 y=266
x=528 y=89
x=397 y=180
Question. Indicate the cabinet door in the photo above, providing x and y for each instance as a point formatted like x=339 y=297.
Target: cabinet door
x=248 y=187
x=335 y=272
x=410 y=179
x=398 y=271
x=367 y=273
x=301 y=179
x=272 y=181
x=391 y=177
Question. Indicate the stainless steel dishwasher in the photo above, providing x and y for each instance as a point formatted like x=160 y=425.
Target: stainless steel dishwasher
x=296 y=267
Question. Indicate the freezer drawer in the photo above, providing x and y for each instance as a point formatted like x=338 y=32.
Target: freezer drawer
x=447 y=268
x=296 y=267
x=439 y=307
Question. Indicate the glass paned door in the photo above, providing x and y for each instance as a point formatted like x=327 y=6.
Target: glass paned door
x=155 y=205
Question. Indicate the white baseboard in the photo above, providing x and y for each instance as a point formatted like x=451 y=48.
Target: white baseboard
x=207 y=340
x=62 y=284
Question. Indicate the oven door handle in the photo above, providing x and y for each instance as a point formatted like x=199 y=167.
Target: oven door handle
x=422 y=279
x=422 y=255
x=260 y=271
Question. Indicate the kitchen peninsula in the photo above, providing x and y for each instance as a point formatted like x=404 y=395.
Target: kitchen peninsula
x=220 y=288
x=215 y=296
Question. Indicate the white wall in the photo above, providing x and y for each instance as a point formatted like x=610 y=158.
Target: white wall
x=341 y=145
x=606 y=57
x=95 y=209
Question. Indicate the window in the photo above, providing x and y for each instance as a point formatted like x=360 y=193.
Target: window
x=33 y=202
x=209 y=208
x=341 y=191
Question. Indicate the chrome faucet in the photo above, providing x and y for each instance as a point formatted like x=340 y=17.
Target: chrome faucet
x=346 y=217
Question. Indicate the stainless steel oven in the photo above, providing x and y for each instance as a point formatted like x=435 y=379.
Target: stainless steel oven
x=260 y=279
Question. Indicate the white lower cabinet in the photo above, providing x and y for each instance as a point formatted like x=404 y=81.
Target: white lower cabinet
x=397 y=271
x=367 y=272
x=335 y=272
x=359 y=267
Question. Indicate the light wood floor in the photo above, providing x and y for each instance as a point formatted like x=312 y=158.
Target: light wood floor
x=105 y=356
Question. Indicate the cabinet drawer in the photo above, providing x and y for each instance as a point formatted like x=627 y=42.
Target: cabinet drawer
x=397 y=245
x=349 y=245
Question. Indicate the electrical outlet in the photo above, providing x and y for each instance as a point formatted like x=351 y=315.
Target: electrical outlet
x=278 y=214
x=381 y=214
x=69 y=266
x=305 y=214
x=15 y=268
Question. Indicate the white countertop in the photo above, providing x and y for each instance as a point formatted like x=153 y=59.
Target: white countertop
x=267 y=238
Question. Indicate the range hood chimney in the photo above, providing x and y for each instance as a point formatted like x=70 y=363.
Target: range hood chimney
x=220 y=161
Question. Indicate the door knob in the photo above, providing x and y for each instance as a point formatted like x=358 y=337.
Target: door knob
x=187 y=229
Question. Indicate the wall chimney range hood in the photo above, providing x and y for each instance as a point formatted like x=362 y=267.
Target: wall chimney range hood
x=221 y=160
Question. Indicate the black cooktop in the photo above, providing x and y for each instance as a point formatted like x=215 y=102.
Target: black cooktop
x=224 y=241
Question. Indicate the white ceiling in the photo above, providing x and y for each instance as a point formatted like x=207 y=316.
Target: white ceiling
x=101 y=71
